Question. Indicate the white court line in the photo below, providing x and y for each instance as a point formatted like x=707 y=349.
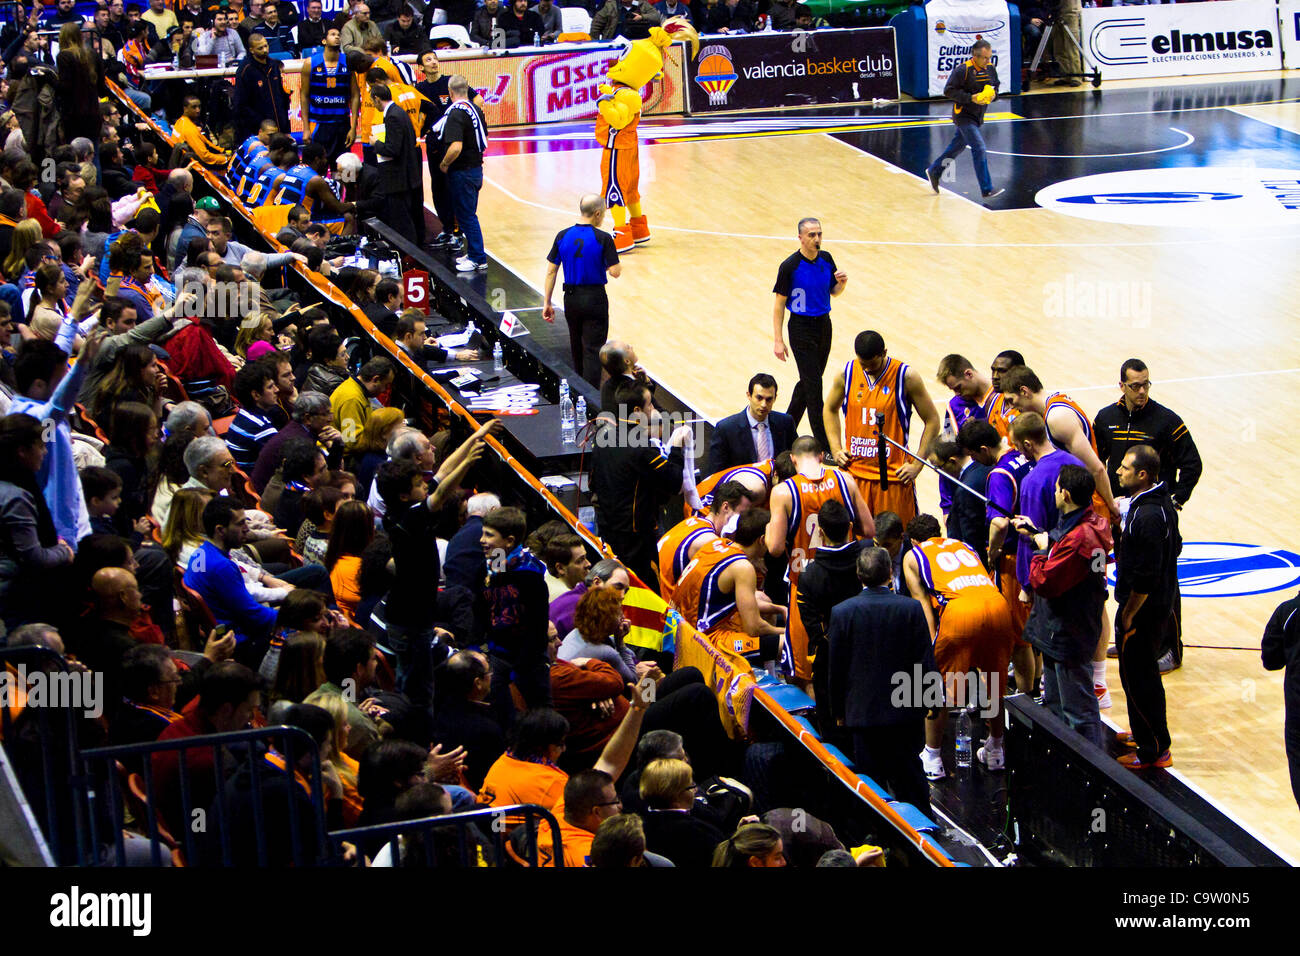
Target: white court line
x=1194 y=378
x=1141 y=152
x=1219 y=240
x=1182 y=778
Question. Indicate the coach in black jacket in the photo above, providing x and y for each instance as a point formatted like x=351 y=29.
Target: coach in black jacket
x=1146 y=580
x=401 y=166
x=632 y=478
x=1281 y=648
x=736 y=438
x=873 y=637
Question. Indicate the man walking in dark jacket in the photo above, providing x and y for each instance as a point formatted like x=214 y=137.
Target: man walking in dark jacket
x=1146 y=580
x=972 y=87
x=873 y=638
x=831 y=577
x=1068 y=577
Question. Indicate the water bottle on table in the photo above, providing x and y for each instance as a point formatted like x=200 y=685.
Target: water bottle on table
x=568 y=433
x=498 y=362
x=580 y=414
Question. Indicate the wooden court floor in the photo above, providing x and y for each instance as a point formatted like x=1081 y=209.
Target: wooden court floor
x=936 y=274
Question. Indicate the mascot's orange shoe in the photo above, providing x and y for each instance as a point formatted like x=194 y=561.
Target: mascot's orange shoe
x=640 y=229
x=623 y=238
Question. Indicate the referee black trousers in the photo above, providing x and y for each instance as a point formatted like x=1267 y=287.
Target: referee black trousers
x=586 y=309
x=810 y=341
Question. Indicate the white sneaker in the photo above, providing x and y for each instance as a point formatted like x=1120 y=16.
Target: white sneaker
x=990 y=758
x=933 y=766
x=1103 y=696
x=466 y=264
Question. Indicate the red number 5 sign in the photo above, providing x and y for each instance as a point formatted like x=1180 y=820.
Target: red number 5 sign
x=415 y=288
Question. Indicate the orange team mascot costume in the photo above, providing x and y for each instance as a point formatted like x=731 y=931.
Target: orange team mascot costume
x=619 y=108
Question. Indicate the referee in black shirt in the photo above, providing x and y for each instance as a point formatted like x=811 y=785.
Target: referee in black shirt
x=805 y=283
x=587 y=253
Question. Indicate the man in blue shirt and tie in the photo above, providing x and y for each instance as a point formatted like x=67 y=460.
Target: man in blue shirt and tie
x=805 y=283
x=587 y=253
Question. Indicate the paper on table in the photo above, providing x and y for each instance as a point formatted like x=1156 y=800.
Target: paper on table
x=453 y=340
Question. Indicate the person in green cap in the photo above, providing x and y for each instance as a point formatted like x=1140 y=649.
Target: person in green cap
x=196 y=227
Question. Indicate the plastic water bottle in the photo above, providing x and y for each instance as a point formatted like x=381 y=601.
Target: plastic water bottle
x=580 y=414
x=221 y=59
x=176 y=60
x=498 y=362
x=568 y=433
x=537 y=38
x=963 y=740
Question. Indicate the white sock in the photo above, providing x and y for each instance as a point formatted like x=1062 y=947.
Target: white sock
x=1099 y=673
x=931 y=751
x=993 y=743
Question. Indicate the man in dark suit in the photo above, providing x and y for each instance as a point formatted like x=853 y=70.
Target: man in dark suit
x=618 y=359
x=873 y=637
x=756 y=434
x=399 y=161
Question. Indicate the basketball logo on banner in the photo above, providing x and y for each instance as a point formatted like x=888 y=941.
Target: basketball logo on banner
x=716 y=73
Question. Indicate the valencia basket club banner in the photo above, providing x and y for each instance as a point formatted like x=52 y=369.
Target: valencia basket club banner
x=1183 y=39
x=799 y=68
x=953 y=26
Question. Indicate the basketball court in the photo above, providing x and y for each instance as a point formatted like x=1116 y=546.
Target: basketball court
x=1164 y=234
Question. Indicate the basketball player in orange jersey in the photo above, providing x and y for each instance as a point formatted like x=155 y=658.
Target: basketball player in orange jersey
x=1001 y=414
x=676 y=549
x=1009 y=468
x=971 y=629
x=793 y=530
x=1070 y=429
x=876 y=385
x=718 y=592
x=758 y=478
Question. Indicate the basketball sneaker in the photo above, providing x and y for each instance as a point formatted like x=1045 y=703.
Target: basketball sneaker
x=1125 y=738
x=990 y=758
x=624 y=240
x=933 y=175
x=933 y=766
x=1134 y=762
x=466 y=264
x=994 y=193
x=444 y=240
x=640 y=229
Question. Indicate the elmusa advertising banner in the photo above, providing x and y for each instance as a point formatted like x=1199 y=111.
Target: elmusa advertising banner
x=1288 y=12
x=1182 y=39
x=953 y=26
x=797 y=68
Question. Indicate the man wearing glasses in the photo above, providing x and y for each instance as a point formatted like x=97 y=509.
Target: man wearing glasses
x=1137 y=420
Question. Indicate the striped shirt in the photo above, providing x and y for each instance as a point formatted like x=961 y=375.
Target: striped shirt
x=251 y=429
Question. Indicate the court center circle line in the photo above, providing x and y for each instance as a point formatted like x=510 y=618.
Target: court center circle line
x=1142 y=152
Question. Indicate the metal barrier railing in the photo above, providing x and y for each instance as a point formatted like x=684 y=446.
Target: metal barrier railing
x=38 y=726
x=167 y=799
x=471 y=828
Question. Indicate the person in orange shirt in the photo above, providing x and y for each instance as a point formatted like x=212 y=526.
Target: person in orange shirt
x=970 y=625
x=589 y=800
x=353 y=530
x=189 y=130
x=527 y=771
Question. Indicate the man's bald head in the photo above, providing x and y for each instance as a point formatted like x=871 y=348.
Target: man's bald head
x=590 y=205
x=113 y=588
